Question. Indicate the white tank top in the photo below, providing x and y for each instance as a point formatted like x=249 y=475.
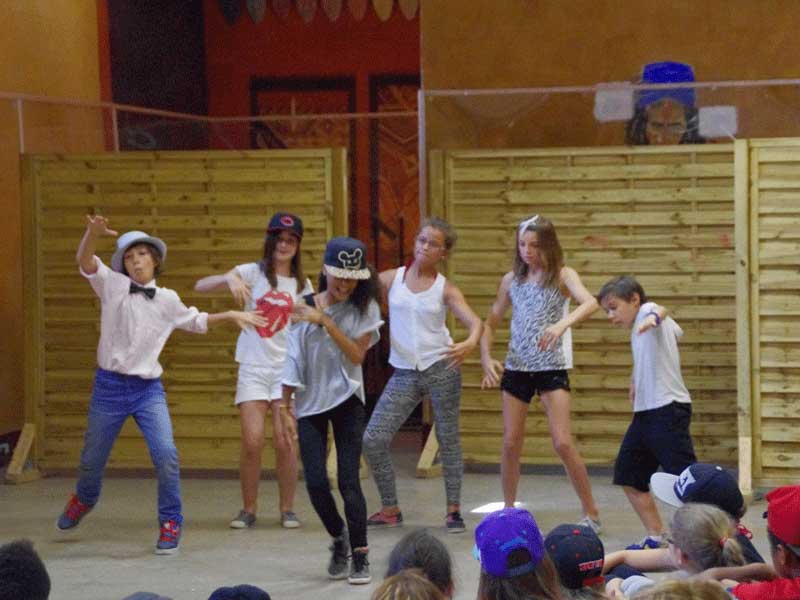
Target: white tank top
x=417 y=324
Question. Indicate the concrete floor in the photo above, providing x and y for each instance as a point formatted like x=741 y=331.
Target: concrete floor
x=111 y=554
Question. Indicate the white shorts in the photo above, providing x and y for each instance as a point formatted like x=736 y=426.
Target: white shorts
x=258 y=383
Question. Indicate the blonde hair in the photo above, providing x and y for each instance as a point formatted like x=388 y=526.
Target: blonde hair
x=552 y=256
x=408 y=584
x=706 y=535
x=674 y=589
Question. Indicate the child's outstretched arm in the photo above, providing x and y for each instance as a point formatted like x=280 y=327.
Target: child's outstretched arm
x=658 y=559
x=652 y=319
x=456 y=302
x=243 y=319
x=587 y=305
x=240 y=289
x=493 y=369
x=753 y=571
x=96 y=226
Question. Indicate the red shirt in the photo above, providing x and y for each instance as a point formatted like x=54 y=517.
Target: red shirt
x=777 y=589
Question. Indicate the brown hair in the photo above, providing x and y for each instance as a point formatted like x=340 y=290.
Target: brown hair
x=267 y=265
x=409 y=584
x=450 y=235
x=675 y=589
x=706 y=535
x=539 y=584
x=154 y=254
x=552 y=255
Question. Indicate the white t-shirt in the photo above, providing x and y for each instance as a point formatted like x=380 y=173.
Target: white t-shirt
x=264 y=346
x=657 y=363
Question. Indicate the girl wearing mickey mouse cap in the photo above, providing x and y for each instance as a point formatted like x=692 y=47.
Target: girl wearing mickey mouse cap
x=334 y=330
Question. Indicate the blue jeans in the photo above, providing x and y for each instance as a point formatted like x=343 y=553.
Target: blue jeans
x=114 y=398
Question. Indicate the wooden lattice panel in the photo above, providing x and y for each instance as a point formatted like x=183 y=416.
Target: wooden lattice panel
x=663 y=215
x=775 y=309
x=211 y=208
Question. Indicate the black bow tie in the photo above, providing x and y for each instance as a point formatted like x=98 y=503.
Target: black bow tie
x=147 y=291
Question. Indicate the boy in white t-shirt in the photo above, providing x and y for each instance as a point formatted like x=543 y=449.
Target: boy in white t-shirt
x=659 y=435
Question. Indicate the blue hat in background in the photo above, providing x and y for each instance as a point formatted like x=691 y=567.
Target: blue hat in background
x=502 y=532
x=700 y=482
x=577 y=554
x=346 y=258
x=239 y=592
x=666 y=72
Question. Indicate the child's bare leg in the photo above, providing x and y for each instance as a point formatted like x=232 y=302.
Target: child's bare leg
x=645 y=507
x=556 y=405
x=285 y=458
x=252 y=416
x=514 y=413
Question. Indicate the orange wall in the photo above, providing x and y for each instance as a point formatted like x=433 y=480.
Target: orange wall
x=527 y=43
x=292 y=48
x=48 y=48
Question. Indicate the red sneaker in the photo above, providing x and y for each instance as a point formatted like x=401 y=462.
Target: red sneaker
x=381 y=519
x=73 y=513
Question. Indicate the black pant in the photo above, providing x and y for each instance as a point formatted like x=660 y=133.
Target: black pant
x=348 y=423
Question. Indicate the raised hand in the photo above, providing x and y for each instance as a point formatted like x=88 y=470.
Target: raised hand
x=240 y=289
x=457 y=353
x=97 y=225
x=492 y=372
x=304 y=312
x=245 y=319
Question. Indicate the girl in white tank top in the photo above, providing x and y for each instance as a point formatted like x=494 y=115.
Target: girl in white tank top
x=426 y=362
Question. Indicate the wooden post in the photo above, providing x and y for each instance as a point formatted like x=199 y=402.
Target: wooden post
x=741 y=185
x=17 y=471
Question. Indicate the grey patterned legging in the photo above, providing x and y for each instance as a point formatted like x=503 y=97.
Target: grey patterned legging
x=401 y=395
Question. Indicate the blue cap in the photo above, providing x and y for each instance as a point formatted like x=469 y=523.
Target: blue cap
x=502 y=532
x=239 y=592
x=666 y=72
x=346 y=258
x=700 y=482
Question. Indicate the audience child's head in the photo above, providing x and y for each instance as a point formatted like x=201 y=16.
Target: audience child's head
x=703 y=483
x=703 y=536
x=783 y=529
x=674 y=589
x=421 y=550
x=346 y=273
x=239 y=592
x=282 y=243
x=577 y=554
x=514 y=563
x=408 y=584
x=22 y=572
x=538 y=249
x=621 y=298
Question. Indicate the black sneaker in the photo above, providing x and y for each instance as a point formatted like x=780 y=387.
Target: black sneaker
x=340 y=549
x=359 y=569
x=454 y=522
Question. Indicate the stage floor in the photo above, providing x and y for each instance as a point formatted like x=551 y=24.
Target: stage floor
x=110 y=555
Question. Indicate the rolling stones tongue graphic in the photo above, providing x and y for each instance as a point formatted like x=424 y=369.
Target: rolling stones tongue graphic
x=275 y=308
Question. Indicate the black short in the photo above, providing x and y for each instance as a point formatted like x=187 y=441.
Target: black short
x=657 y=437
x=526 y=384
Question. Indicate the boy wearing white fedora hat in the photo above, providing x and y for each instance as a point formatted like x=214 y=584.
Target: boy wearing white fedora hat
x=137 y=318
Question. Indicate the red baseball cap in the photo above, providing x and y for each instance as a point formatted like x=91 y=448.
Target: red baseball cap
x=783 y=514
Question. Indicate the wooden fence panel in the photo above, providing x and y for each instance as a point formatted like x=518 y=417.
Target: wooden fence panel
x=665 y=215
x=775 y=309
x=211 y=208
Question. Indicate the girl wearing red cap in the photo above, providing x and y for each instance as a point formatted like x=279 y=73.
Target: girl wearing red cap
x=271 y=286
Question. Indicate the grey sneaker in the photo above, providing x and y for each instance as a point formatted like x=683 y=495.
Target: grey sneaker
x=289 y=520
x=359 y=569
x=592 y=524
x=340 y=549
x=243 y=520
